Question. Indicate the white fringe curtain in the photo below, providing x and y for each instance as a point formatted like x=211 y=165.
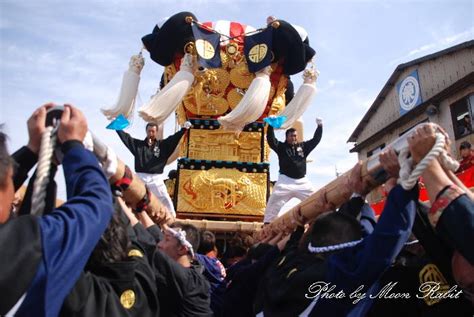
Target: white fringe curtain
x=301 y=101
x=252 y=105
x=161 y=105
x=128 y=92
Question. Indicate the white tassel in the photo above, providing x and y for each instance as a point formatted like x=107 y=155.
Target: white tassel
x=252 y=105
x=128 y=92
x=301 y=101
x=165 y=102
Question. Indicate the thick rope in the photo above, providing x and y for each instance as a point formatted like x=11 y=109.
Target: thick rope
x=38 y=199
x=409 y=177
x=334 y=247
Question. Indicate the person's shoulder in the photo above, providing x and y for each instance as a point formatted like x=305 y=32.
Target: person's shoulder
x=195 y=271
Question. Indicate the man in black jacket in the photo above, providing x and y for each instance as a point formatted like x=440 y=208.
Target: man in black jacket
x=151 y=156
x=46 y=254
x=118 y=279
x=292 y=181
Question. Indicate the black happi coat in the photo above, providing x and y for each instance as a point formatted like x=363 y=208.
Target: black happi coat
x=124 y=288
x=292 y=158
x=151 y=159
x=182 y=291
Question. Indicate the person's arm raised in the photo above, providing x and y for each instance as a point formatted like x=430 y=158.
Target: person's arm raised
x=70 y=232
x=318 y=133
x=272 y=141
x=27 y=156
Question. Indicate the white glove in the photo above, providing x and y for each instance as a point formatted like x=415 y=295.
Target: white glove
x=319 y=121
x=88 y=142
x=187 y=125
x=109 y=166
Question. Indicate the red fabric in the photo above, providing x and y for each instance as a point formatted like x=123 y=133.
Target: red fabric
x=237 y=29
x=378 y=207
x=466 y=163
x=208 y=25
x=466 y=177
x=143 y=203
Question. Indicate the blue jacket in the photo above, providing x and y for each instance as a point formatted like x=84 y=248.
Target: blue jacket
x=68 y=235
x=365 y=263
x=456 y=226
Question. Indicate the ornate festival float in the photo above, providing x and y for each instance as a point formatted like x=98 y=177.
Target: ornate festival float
x=224 y=78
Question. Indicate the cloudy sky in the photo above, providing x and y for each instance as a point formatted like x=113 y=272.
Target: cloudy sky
x=76 y=52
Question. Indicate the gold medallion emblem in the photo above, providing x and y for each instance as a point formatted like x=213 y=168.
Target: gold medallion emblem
x=205 y=49
x=135 y=252
x=431 y=273
x=127 y=299
x=234 y=96
x=231 y=48
x=258 y=53
x=189 y=48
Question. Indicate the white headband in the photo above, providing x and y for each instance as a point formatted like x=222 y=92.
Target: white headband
x=181 y=236
x=332 y=247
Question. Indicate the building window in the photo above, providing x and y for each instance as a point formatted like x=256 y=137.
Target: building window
x=376 y=150
x=461 y=114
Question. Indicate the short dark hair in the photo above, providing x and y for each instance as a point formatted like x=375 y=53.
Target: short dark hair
x=465 y=145
x=114 y=243
x=172 y=174
x=207 y=243
x=289 y=131
x=5 y=159
x=151 y=124
x=258 y=250
x=192 y=233
x=333 y=228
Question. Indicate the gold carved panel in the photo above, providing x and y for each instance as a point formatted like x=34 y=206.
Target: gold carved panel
x=220 y=145
x=222 y=191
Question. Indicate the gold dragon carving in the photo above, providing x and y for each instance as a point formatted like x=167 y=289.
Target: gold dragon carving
x=226 y=191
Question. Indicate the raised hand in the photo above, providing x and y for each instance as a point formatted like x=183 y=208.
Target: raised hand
x=36 y=127
x=355 y=181
x=421 y=141
x=73 y=125
x=389 y=161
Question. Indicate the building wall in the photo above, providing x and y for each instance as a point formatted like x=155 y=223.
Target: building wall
x=434 y=76
x=443 y=118
x=390 y=136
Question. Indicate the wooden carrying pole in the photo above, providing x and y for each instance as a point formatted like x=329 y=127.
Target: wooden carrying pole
x=136 y=191
x=337 y=192
x=223 y=226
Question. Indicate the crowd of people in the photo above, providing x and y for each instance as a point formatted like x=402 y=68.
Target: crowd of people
x=96 y=256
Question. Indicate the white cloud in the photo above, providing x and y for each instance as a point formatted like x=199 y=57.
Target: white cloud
x=438 y=44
